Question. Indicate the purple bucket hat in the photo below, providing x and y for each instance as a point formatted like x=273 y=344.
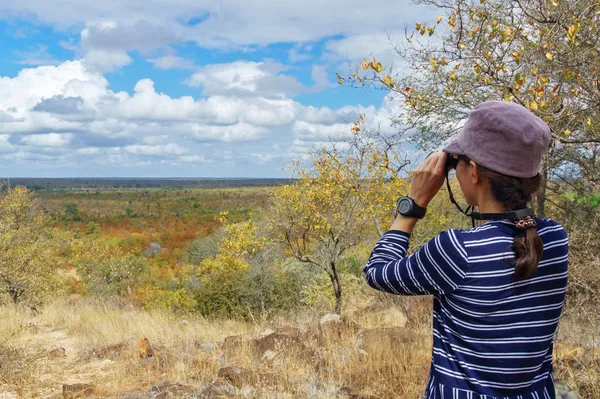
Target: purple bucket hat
x=504 y=137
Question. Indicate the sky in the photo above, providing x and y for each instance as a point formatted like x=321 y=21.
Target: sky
x=186 y=88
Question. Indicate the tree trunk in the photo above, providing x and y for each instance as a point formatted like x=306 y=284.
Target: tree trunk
x=541 y=194
x=337 y=288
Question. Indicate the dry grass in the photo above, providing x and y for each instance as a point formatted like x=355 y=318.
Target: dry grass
x=101 y=342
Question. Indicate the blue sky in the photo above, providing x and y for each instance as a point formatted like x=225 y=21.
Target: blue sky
x=185 y=88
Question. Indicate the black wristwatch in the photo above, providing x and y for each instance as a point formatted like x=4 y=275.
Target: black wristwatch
x=406 y=206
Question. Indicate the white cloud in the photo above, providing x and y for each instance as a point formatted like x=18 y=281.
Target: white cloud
x=245 y=78
x=171 y=62
x=106 y=61
x=47 y=140
x=232 y=23
x=67 y=113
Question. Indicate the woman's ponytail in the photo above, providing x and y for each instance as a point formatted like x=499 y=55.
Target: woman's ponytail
x=514 y=193
x=529 y=250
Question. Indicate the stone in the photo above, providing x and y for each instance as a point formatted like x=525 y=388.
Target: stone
x=77 y=390
x=110 y=351
x=378 y=339
x=232 y=342
x=352 y=394
x=218 y=390
x=268 y=356
x=330 y=326
x=236 y=376
x=268 y=331
x=286 y=343
x=184 y=322
x=153 y=250
x=564 y=391
x=392 y=318
x=57 y=353
x=329 y=319
x=208 y=348
x=167 y=390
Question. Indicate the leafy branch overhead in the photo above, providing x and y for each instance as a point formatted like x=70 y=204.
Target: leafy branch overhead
x=538 y=53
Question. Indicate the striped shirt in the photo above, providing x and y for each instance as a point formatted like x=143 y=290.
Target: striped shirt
x=492 y=337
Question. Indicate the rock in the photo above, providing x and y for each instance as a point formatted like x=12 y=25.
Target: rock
x=168 y=390
x=109 y=351
x=218 y=390
x=330 y=319
x=268 y=356
x=208 y=348
x=564 y=391
x=289 y=330
x=268 y=331
x=184 y=323
x=352 y=394
x=57 y=353
x=392 y=318
x=238 y=377
x=146 y=350
x=330 y=324
x=287 y=342
x=78 y=390
x=232 y=342
x=153 y=250
x=384 y=339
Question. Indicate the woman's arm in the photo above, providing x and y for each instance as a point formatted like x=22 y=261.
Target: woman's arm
x=439 y=267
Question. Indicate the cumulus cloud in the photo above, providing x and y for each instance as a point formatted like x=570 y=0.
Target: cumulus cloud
x=170 y=61
x=68 y=113
x=245 y=78
x=233 y=23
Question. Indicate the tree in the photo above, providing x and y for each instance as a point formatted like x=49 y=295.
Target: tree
x=542 y=54
x=344 y=197
x=31 y=249
x=72 y=212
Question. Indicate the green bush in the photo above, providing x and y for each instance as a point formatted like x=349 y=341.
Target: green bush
x=112 y=276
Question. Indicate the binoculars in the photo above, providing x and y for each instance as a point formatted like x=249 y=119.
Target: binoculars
x=451 y=162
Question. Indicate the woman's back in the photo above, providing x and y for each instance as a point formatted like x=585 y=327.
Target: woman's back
x=495 y=335
x=492 y=336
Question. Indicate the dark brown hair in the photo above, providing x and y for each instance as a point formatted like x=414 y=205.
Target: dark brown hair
x=514 y=193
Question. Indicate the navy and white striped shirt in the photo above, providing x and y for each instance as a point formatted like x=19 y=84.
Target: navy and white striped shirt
x=492 y=337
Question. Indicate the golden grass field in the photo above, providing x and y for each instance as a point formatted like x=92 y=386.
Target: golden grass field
x=100 y=343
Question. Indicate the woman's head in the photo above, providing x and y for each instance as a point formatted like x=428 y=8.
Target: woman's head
x=477 y=181
x=497 y=157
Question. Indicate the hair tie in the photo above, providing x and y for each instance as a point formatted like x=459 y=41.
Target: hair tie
x=524 y=222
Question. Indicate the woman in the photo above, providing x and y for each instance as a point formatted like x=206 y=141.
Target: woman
x=498 y=288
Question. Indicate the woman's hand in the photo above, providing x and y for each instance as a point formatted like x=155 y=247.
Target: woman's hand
x=428 y=178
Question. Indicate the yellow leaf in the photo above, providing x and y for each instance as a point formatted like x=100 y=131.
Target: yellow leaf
x=444 y=62
x=388 y=81
x=555 y=3
x=567 y=133
x=434 y=64
x=549 y=56
x=533 y=105
x=452 y=22
x=452 y=75
x=589 y=121
x=341 y=81
x=431 y=30
x=439 y=19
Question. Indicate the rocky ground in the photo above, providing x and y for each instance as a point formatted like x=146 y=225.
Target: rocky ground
x=330 y=358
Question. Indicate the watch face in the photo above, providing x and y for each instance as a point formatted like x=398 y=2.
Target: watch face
x=404 y=206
